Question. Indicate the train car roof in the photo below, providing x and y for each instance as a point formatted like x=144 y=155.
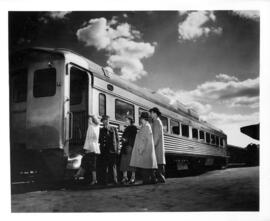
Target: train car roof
x=113 y=78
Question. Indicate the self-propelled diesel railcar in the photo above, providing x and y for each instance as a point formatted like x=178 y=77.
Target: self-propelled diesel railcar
x=52 y=92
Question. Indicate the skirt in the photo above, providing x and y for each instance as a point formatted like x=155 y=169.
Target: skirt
x=89 y=162
x=125 y=160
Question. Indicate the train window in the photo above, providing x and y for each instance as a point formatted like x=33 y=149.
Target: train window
x=123 y=110
x=19 y=85
x=213 y=139
x=78 y=84
x=102 y=104
x=207 y=137
x=222 y=142
x=44 y=82
x=194 y=133
x=201 y=135
x=175 y=127
x=217 y=141
x=164 y=121
x=185 y=130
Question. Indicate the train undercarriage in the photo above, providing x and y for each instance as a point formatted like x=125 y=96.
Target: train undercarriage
x=51 y=165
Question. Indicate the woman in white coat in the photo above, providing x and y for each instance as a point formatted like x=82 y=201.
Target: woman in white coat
x=158 y=135
x=143 y=154
x=91 y=148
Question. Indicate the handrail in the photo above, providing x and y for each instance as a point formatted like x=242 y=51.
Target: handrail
x=71 y=125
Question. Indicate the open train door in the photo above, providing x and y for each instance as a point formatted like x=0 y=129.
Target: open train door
x=76 y=108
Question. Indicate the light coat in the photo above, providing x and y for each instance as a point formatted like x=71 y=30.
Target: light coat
x=91 y=144
x=143 y=153
x=158 y=135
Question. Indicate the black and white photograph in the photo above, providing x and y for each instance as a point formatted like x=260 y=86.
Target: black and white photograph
x=134 y=110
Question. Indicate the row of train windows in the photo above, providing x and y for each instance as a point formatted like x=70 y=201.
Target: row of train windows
x=196 y=133
x=124 y=109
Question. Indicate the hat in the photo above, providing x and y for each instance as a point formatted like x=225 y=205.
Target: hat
x=145 y=116
x=130 y=119
x=105 y=117
x=155 y=110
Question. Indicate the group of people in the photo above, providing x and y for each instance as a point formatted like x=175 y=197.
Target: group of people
x=141 y=150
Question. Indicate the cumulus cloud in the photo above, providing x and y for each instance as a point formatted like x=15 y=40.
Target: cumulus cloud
x=185 y=98
x=254 y=15
x=197 y=24
x=99 y=34
x=229 y=119
x=225 y=77
x=119 y=40
x=220 y=90
x=227 y=90
x=95 y=34
x=251 y=102
x=182 y=12
x=126 y=47
x=54 y=15
x=113 y=21
x=131 y=68
x=58 y=14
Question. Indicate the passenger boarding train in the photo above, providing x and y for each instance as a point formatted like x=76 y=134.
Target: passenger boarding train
x=52 y=92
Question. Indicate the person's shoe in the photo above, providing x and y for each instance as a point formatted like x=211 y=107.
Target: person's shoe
x=124 y=180
x=161 y=179
x=94 y=182
x=132 y=181
x=115 y=182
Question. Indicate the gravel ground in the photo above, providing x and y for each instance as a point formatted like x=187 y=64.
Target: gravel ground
x=234 y=189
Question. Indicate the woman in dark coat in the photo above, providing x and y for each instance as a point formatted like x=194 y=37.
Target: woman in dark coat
x=128 y=139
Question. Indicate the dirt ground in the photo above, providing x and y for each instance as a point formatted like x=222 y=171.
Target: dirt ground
x=233 y=189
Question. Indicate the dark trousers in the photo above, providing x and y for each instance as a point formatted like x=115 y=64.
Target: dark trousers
x=107 y=164
x=148 y=175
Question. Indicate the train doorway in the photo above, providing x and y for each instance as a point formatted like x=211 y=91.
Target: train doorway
x=77 y=109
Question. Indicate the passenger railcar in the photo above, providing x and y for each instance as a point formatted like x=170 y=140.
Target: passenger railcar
x=52 y=91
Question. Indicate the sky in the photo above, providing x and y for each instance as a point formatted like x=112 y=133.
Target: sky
x=207 y=60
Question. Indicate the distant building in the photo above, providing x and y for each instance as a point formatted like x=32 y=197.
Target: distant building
x=253 y=154
x=252 y=150
x=237 y=156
